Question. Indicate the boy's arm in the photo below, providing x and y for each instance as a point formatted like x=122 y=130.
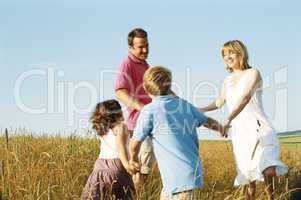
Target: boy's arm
x=142 y=130
x=208 y=122
x=216 y=126
x=134 y=150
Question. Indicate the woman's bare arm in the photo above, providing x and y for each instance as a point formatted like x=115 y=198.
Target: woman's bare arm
x=216 y=104
x=254 y=80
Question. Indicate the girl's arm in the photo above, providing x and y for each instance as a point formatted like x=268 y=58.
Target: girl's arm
x=122 y=134
x=254 y=80
x=218 y=103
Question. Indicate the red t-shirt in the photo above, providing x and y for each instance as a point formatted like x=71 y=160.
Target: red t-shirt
x=130 y=77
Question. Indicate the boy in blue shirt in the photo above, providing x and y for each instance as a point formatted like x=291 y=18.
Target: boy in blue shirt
x=171 y=123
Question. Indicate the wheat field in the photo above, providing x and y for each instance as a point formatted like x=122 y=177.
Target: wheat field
x=55 y=167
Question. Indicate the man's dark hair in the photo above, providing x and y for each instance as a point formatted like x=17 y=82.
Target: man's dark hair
x=137 y=32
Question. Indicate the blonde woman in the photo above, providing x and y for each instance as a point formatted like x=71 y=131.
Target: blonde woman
x=255 y=143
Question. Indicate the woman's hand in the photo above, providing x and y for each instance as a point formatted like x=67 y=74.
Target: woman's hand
x=226 y=127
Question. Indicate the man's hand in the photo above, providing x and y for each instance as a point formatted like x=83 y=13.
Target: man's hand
x=130 y=102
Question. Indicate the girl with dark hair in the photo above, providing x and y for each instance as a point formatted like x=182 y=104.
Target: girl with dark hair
x=110 y=177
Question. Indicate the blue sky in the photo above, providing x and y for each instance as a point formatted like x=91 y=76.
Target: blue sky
x=82 y=40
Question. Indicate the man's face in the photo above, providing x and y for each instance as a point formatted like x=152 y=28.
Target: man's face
x=139 y=48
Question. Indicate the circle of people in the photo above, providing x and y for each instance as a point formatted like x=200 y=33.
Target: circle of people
x=162 y=127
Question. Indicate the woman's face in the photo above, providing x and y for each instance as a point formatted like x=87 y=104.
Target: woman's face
x=231 y=59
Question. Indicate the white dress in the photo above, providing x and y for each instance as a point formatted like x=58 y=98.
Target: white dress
x=255 y=142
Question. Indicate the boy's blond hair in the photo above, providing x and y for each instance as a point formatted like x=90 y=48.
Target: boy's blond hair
x=157 y=81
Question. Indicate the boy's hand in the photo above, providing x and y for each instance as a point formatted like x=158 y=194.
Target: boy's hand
x=203 y=110
x=214 y=125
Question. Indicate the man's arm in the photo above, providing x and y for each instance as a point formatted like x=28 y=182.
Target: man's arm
x=124 y=97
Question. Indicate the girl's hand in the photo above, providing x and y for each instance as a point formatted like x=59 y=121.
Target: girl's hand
x=133 y=167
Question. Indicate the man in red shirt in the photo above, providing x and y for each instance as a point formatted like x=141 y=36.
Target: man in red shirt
x=129 y=91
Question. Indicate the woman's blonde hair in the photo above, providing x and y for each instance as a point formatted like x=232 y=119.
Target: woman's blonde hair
x=157 y=81
x=240 y=49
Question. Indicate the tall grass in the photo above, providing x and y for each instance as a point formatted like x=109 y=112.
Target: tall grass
x=55 y=167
